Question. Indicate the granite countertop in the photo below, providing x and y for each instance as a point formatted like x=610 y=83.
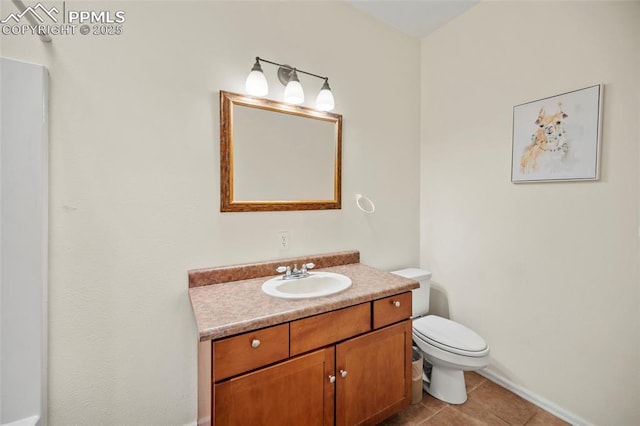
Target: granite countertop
x=235 y=307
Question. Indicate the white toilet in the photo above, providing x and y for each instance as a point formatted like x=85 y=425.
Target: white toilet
x=449 y=347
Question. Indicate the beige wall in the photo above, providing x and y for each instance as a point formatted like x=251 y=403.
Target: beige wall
x=135 y=182
x=547 y=273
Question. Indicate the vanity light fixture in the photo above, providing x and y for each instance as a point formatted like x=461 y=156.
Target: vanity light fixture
x=293 y=93
x=324 y=102
x=256 y=82
x=256 y=85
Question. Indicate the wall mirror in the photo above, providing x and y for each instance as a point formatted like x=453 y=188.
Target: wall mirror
x=277 y=157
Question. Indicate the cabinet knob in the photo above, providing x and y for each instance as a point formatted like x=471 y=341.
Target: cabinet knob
x=255 y=343
x=396 y=303
x=343 y=373
x=332 y=378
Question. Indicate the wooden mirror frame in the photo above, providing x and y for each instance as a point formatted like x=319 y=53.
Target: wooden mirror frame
x=227 y=202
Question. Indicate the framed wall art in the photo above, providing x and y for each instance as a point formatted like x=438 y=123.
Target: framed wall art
x=558 y=138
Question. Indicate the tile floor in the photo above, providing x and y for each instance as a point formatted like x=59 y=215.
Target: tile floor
x=487 y=404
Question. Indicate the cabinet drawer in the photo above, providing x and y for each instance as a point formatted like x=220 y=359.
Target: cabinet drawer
x=325 y=329
x=391 y=309
x=248 y=351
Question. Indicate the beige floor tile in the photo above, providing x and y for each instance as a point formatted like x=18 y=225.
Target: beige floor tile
x=410 y=416
x=432 y=403
x=416 y=413
x=450 y=416
x=487 y=405
x=476 y=409
x=472 y=380
x=543 y=418
x=502 y=403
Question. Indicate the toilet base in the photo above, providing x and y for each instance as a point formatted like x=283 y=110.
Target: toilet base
x=447 y=384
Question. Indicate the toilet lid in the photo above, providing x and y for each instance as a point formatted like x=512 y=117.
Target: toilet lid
x=449 y=335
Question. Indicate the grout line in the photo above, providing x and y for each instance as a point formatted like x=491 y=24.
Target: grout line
x=531 y=418
x=483 y=380
x=424 y=421
x=436 y=411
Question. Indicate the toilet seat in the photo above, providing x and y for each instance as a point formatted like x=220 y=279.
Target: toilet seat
x=450 y=336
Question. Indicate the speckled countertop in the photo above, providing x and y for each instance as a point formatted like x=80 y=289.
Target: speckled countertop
x=235 y=307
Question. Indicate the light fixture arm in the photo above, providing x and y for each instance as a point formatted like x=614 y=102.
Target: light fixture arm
x=290 y=68
x=256 y=84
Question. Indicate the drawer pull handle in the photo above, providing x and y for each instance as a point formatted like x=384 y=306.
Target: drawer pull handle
x=396 y=303
x=332 y=378
x=343 y=373
x=255 y=343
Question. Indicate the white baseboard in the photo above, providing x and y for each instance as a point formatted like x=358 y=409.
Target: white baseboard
x=541 y=402
x=204 y=421
x=27 y=421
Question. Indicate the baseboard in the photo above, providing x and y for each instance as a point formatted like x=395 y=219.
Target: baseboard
x=203 y=421
x=541 y=402
x=27 y=421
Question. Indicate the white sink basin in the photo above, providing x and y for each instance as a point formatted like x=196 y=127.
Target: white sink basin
x=317 y=284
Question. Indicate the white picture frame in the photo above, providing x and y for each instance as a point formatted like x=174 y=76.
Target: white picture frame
x=558 y=138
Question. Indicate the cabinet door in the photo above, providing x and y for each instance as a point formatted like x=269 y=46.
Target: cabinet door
x=294 y=392
x=373 y=375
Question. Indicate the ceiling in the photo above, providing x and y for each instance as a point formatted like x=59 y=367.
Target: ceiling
x=416 y=18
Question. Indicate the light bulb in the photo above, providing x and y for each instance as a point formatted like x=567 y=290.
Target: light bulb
x=324 y=101
x=293 y=93
x=256 y=84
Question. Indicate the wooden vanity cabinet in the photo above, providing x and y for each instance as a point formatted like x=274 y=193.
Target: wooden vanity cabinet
x=351 y=366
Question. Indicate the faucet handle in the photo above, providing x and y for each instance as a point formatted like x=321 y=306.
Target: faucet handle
x=306 y=266
x=281 y=269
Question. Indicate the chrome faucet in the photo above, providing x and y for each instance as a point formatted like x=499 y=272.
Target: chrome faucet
x=295 y=273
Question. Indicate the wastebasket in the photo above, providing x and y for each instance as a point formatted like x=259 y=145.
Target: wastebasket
x=416 y=376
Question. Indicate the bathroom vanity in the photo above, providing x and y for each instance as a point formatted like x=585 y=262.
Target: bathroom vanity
x=343 y=359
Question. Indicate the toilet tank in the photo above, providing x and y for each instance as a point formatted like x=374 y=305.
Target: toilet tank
x=420 y=296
